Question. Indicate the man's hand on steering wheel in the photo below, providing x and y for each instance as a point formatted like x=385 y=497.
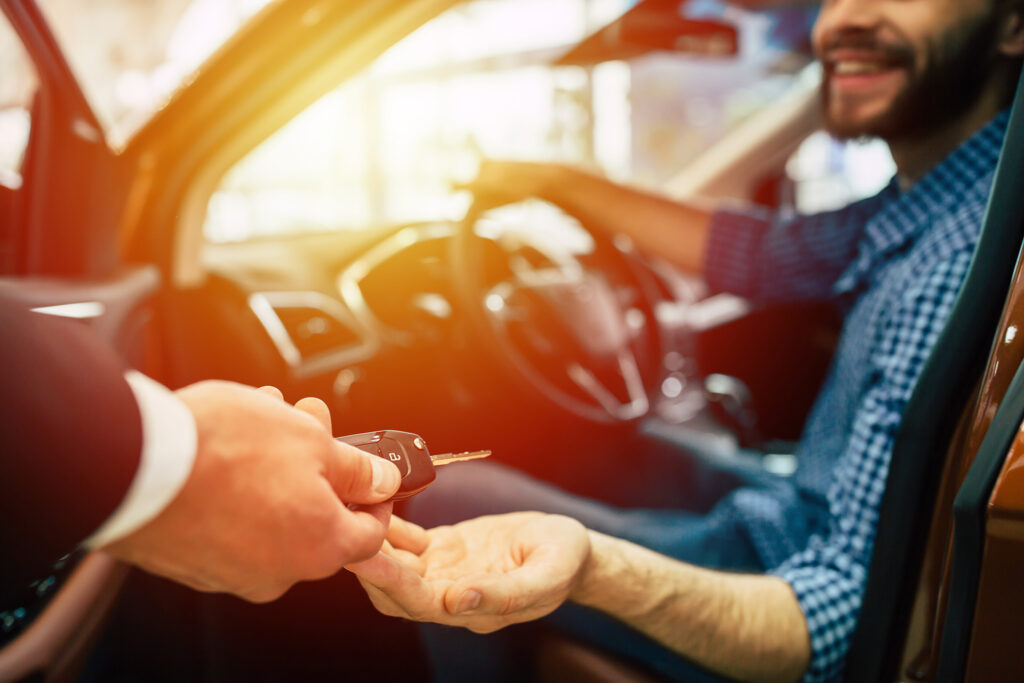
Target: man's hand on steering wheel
x=597 y=356
x=505 y=182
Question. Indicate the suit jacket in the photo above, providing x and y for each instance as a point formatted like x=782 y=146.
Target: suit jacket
x=70 y=440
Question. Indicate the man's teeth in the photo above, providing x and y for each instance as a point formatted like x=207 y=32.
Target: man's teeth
x=850 y=68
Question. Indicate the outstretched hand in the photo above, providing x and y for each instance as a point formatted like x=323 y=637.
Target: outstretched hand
x=482 y=574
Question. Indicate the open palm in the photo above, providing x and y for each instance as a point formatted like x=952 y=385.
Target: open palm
x=484 y=574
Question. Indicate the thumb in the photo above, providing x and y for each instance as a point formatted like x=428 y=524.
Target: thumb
x=358 y=477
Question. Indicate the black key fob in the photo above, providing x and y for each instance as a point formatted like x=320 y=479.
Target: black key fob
x=406 y=450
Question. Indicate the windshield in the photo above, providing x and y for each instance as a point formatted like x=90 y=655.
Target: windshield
x=479 y=81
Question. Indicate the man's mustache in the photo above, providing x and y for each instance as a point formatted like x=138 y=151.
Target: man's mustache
x=887 y=51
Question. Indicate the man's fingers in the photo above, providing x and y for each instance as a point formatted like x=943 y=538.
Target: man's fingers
x=381 y=512
x=363 y=531
x=408 y=536
x=358 y=477
x=387 y=577
x=272 y=391
x=415 y=562
x=317 y=409
x=381 y=602
x=355 y=476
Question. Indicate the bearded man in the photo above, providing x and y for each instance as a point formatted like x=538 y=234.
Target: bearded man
x=768 y=583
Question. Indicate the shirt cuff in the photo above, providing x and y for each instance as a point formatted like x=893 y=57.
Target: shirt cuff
x=168 y=450
x=830 y=599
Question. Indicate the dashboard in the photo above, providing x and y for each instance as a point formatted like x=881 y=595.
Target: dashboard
x=376 y=325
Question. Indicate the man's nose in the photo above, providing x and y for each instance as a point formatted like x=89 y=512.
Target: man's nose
x=845 y=16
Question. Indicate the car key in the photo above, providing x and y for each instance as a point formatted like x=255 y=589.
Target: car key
x=409 y=453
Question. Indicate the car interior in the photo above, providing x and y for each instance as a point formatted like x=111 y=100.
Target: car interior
x=281 y=211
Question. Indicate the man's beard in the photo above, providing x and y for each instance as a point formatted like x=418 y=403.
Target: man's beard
x=942 y=93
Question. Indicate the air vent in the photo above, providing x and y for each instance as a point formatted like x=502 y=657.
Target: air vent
x=312 y=332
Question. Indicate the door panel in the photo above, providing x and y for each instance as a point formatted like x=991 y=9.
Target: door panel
x=116 y=307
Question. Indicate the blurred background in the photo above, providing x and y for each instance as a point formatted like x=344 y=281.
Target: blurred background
x=481 y=80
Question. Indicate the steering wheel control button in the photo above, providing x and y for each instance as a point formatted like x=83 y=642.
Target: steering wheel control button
x=409 y=453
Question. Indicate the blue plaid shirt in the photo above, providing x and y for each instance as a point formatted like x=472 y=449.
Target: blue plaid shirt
x=895 y=263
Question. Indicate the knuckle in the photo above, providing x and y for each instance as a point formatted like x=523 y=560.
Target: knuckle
x=312 y=403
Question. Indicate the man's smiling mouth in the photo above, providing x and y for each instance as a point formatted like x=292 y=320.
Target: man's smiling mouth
x=858 y=68
x=854 y=61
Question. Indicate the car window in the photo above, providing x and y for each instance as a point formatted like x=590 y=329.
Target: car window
x=479 y=81
x=129 y=56
x=17 y=88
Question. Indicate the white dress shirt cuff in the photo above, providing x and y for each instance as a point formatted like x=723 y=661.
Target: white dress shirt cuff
x=168 y=451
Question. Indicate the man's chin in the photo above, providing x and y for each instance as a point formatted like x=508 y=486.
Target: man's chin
x=887 y=123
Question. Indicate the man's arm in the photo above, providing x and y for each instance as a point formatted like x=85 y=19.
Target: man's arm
x=753 y=252
x=490 y=572
x=265 y=504
x=748 y=627
x=657 y=225
x=70 y=435
x=259 y=498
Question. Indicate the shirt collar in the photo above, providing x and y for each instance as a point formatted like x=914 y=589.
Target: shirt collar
x=904 y=215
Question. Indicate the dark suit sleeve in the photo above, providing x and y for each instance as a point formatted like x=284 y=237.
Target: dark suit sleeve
x=71 y=436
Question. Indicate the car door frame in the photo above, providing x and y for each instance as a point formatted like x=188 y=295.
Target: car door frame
x=65 y=260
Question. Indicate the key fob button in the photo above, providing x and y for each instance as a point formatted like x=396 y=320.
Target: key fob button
x=407 y=451
x=394 y=454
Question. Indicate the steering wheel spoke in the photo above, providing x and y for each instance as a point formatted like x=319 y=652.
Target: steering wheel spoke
x=576 y=328
x=638 y=403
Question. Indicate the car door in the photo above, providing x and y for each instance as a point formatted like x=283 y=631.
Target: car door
x=60 y=251
x=59 y=254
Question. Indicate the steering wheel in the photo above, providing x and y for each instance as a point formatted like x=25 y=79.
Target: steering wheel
x=579 y=330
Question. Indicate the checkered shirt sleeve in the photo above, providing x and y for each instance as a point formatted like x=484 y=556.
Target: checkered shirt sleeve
x=828 y=577
x=771 y=257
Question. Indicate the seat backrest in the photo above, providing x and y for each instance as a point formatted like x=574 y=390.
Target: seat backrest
x=946 y=382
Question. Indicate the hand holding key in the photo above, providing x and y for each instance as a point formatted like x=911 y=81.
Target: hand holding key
x=482 y=574
x=408 y=452
x=267 y=501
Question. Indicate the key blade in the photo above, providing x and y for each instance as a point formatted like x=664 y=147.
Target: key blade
x=448 y=458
